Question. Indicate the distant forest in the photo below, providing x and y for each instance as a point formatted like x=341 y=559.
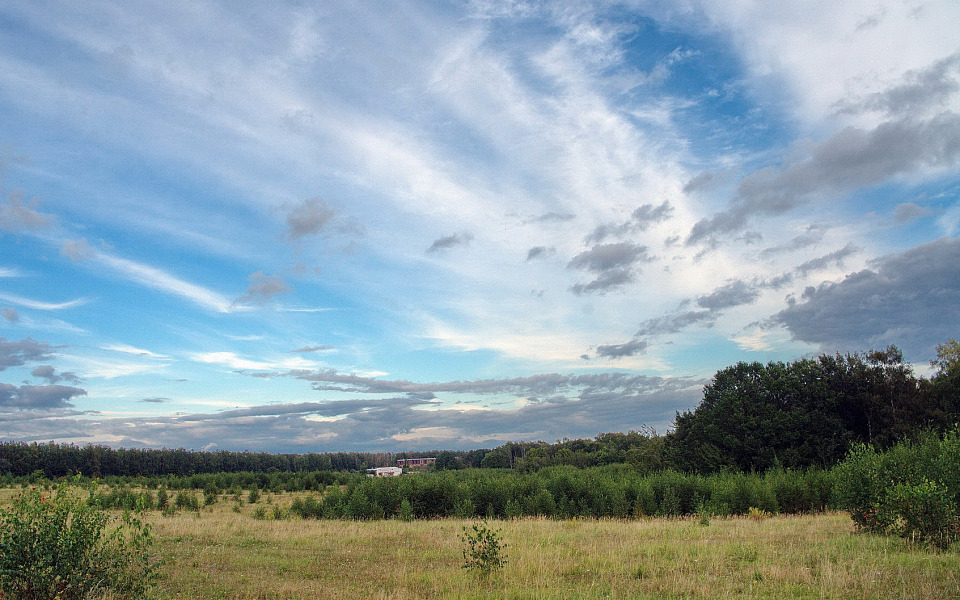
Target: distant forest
x=753 y=417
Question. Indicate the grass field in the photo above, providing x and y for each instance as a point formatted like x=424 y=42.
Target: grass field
x=221 y=553
x=224 y=554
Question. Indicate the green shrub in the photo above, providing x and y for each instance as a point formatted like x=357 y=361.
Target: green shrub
x=923 y=511
x=859 y=487
x=406 y=510
x=187 y=500
x=307 y=508
x=464 y=509
x=57 y=546
x=912 y=490
x=483 y=549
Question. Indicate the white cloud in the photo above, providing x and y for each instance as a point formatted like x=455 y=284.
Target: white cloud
x=234 y=361
x=40 y=304
x=158 y=279
x=824 y=54
x=128 y=349
x=89 y=366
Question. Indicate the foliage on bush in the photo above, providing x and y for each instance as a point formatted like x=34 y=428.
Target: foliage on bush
x=483 y=549
x=912 y=490
x=57 y=546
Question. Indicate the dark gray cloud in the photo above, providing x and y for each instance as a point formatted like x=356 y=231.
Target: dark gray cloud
x=606 y=257
x=10 y=314
x=158 y=400
x=904 y=213
x=539 y=252
x=812 y=236
x=850 y=159
x=918 y=91
x=309 y=218
x=676 y=322
x=611 y=280
x=312 y=349
x=263 y=288
x=555 y=406
x=649 y=214
x=15 y=354
x=552 y=217
x=336 y=381
x=910 y=299
x=602 y=232
x=34 y=397
x=834 y=258
x=50 y=374
x=630 y=348
x=733 y=293
x=640 y=220
x=450 y=241
x=729 y=295
x=778 y=281
x=701 y=181
x=18 y=215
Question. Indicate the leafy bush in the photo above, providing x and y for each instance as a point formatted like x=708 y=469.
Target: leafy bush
x=406 y=510
x=912 y=490
x=483 y=549
x=924 y=511
x=307 y=508
x=57 y=546
x=187 y=500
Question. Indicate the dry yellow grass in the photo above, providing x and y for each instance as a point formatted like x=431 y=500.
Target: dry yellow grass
x=221 y=554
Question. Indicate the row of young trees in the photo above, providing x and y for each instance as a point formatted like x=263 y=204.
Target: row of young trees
x=613 y=491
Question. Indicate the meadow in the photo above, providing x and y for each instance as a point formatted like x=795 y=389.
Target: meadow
x=220 y=553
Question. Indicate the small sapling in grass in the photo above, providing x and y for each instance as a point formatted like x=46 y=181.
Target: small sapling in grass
x=483 y=549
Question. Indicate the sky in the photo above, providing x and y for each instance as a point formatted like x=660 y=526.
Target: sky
x=386 y=226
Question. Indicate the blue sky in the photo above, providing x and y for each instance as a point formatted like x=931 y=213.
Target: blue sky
x=337 y=226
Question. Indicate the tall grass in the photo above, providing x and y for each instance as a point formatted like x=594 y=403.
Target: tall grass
x=221 y=554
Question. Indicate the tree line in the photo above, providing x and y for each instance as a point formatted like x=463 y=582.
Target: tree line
x=753 y=417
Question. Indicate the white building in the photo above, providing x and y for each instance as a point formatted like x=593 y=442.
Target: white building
x=384 y=472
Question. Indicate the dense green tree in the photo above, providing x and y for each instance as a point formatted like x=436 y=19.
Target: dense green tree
x=805 y=413
x=945 y=383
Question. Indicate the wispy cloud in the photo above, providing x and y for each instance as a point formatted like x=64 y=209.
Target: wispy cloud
x=239 y=363
x=158 y=279
x=128 y=349
x=40 y=304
